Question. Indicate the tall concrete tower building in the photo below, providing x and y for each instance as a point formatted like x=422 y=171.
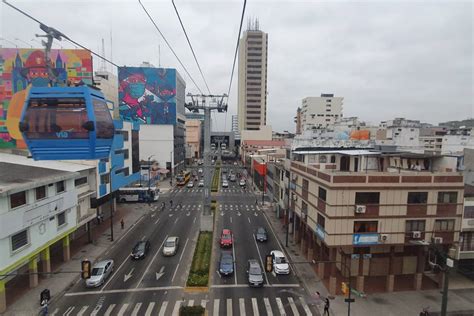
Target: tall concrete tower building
x=252 y=99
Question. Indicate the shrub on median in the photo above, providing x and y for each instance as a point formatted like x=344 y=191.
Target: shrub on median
x=199 y=274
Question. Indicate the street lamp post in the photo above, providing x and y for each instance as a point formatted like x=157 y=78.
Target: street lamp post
x=171 y=167
x=112 y=205
x=149 y=179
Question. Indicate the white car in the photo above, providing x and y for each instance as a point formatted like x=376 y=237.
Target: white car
x=225 y=184
x=100 y=272
x=201 y=183
x=242 y=183
x=190 y=184
x=200 y=170
x=170 y=248
x=280 y=264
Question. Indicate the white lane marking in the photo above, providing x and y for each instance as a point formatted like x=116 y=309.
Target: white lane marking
x=194 y=220
x=69 y=311
x=229 y=307
x=305 y=306
x=242 y=306
x=280 y=306
x=109 y=309
x=216 y=307
x=163 y=308
x=191 y=303
x=177 y=305
x=231 y=219
x=110 y=279
x=143 y=238
x=152 y=259
x=235 y=269
x=293 y=306
x=83 y=310
x=180 y=257
x=122 y=310
x=292 y=285
x=248 y=219
x=143 y=289
x=149 y=309
x=203 y=303
x=56 y=310
x=136 y=309
x=177 y=218
x=255 y=307
x=157 y=221
x=268 y=307
x=261 y=260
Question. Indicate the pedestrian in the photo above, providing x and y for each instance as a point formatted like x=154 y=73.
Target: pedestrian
x=44 y=308
x=171 y=203
x=256 y=201
x=326 y=307
x=122 y=223
x=98 y=219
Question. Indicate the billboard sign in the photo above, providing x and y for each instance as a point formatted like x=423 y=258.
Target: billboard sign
x=365 y=239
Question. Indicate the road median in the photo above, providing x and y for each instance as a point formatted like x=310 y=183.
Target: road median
x=198 y=278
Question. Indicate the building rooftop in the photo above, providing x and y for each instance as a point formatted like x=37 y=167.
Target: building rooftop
x=264 y=142
x=77 y=165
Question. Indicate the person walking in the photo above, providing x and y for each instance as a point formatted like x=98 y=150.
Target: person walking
x=326 y=307
x=122 y=223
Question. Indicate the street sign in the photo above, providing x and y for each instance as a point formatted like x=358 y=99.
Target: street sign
x=349 y=300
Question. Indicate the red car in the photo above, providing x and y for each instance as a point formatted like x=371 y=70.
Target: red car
x=226 y=238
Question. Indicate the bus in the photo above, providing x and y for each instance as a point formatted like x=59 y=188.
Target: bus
x=223 y=146
x=183 y=178
x=138 y=194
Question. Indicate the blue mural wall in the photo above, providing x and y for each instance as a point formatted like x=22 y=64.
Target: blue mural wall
x=147 y=95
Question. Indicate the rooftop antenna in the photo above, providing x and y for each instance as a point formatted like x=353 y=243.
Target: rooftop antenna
x=111 y=50
x=102 y=66
x=159 y=56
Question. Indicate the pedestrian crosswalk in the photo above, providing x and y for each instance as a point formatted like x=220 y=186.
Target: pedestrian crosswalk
x=201 y=190
x=239 y=207
x=228 y=306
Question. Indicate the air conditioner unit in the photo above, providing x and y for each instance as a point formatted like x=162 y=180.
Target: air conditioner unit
x=437 y=240
x=383 y=237
x=416 y=234
x=360 y=209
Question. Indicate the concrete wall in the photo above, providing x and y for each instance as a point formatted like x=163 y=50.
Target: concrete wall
x=265 y=133
x=156 y=140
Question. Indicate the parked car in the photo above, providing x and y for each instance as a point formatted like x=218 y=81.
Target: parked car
x=254 y=273
x=140 y=250
x=280 y=264
x=242 y=183
x=227 y=238
x=100 y=272
x=170 y=248
x=226 y=263
x=200 y=162
x=201 y=183
x=261 y=234
x=233 y=177
x=225 y=184
x=190 y=184
x=200 y=170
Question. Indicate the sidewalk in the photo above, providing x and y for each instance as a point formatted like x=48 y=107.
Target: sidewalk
x=460 y=297
x=28 y=303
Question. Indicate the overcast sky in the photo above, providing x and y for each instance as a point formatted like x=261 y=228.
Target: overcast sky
x=387 y=59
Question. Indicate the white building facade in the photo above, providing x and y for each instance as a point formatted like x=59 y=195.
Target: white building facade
x=320 y=112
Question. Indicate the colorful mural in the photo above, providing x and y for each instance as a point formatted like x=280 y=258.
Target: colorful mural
x=147 y=95
x=22 y=68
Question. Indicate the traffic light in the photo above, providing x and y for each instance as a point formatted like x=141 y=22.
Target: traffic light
x=344 y=288
x=269 y=263
x=85 y=269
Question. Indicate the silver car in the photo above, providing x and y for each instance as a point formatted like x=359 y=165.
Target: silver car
x=100 y=272
x=170 y=248
x=255 y=273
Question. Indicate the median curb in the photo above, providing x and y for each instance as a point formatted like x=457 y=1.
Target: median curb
x=196 y=289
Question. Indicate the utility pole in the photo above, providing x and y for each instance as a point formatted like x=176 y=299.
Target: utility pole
x=200 y=102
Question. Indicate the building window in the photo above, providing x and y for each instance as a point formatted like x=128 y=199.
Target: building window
x=322 y=194
x=61 y=219
x=367 y=198
x=444 y=225
x=447 y=197
x=322 y=159
x=105 y=178
x=19 y=240
x=333 y=159
x=321 y=221
x=417 y=197
x=18 y=199
x=468 y=212
x=365 y=227
x=60 y=187
x=80 y=181
x=40 y=193
x=418 y=225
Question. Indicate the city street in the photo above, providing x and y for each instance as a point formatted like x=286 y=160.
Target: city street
x=156 y=284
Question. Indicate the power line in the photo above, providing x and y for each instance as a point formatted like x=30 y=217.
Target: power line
x=190 y=46
x=169 y=46
x=235 y=58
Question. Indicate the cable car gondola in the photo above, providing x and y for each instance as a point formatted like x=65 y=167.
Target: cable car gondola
x=67 y=123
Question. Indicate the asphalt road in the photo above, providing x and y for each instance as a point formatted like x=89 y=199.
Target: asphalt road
x=156 y=284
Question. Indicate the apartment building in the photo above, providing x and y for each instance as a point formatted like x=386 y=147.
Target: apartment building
x=320 y=112
x=374 y=215
x=193 y=139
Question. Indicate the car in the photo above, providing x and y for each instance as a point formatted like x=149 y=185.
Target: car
x=225 y=184
x=224 y=177
x=140 y=250
x=170 y=247
x=200 y=162
x=201 y=183
x=190 y=184
x=254 y=273
x=224 y=170
x=261 y=234
x=280 y=264
x=242 y=183
x=200 y=170
x=226 y=263
x=235 y=163
x=213 y=161
x=233 y=177
x=100 y=272
x=226 y=238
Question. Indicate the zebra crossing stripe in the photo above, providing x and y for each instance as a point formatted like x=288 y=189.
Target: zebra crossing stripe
x=177 y=305
x=268 y=307
x=191 y=303
x=216 y=307
x=255 y=307
x=123 y=309
x=203 y=303
x=149 y=309
x=229 y=307
x=69 y=310
x=83 y=310
x=242 y=306
x=293 y=306
x=136 y=309
x=56 y=310
x=280 y=306
x=306 y=308
x=163 y=309
x=109 y=310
